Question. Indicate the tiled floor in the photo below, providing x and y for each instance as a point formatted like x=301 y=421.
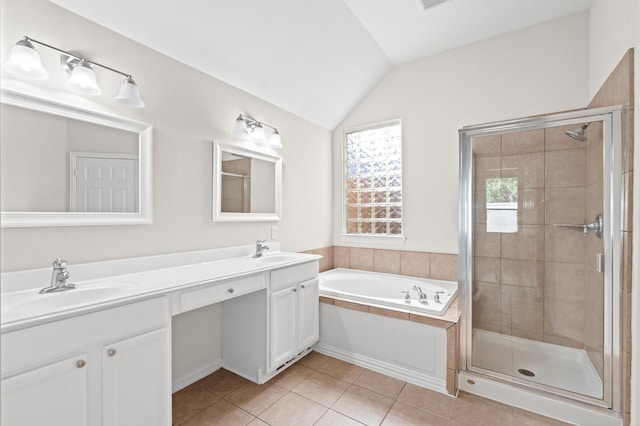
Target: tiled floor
x=324 y=391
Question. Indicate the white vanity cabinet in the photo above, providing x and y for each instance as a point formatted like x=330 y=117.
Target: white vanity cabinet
x=110 y=367
x=263 y=331
x=294 y=320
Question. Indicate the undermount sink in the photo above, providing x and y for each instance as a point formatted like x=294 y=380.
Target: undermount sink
x=277 y=257
x=84 y=294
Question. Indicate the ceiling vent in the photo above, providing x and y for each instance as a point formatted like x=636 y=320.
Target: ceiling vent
x=427 y=4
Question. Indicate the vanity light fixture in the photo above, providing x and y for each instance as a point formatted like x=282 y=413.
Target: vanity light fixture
x=24 y=61
x=246 y=125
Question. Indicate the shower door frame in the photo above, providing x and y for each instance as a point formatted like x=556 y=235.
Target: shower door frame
x=611 y=118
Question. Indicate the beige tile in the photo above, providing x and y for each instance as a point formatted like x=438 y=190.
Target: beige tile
x=321 y=388
x=473 y=410
x=351 y=305
x=565 y=168
x=314 y=360
x=594 y=292
x=529 y=334
x=363 y=405
x=480 y=208
x=452 y=381
x=565 y=245
x=531 y=206
x=527 y=314
x=486 y=145
x=293 y=410
x=386 y=261
x=326 y=262
x=626 y=321
x=256 y=398
x=361 y=258
x=627 y=261
x=486 y=244
x=191 y=401
x=222 y=382
x=341 y=257
x=527 y=418
x=522 y=273
x=341 y=370
x=626 y=380
x=618 y=88
x=380 y=383
x=426 y=399
x=415 y=264
x=627 y=201
x=292 y=376
x=527 y=243
x=391 y=313
x=443 y=266
x=594 y=195
x=527 y=168
x=487 y=269
x=327 y=300
x=565 y=205
x=594 y=151
x=564 y=318
x=406 y=415
x=563 y=341
x=221 y=413
x=565 y=281
x=332 y=418
x=523 y=142
x=257 y=422
x=485 y=168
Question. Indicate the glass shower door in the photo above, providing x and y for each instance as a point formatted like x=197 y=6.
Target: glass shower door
x=536 y=240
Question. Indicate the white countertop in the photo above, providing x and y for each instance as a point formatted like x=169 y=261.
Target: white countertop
x=25 y=308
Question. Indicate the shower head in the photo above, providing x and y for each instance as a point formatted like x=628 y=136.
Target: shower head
x=578 y=134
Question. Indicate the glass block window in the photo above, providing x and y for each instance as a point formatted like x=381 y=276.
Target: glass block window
x=373 y=179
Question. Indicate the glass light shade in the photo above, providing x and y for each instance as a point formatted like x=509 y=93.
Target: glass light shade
x=274 y=140
x=24 y=61
x=129 y=94
x=239 y=128
x=83 y=80
x=258 y=132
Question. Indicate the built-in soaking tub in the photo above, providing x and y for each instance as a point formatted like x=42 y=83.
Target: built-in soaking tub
x=394 y=291
x=366 y=319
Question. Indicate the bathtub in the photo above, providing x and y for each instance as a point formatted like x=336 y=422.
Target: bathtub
x=388 y=290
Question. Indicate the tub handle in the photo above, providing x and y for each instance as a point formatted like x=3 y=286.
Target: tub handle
x=407 y=295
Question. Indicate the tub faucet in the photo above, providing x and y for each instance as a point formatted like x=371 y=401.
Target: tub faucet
x=59 y=278
x=260 y=247
x=422 y=297
x=436 y=298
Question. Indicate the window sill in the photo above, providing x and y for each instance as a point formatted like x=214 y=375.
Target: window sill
x=369 y=238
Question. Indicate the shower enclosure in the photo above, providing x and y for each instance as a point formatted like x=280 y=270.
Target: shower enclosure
x=540 y=254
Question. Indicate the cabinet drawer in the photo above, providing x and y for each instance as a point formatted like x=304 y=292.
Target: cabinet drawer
x=45 y=343
x=208 y=294
x=285 y=277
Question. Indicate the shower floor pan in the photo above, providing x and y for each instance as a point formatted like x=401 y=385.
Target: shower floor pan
x=552 y=365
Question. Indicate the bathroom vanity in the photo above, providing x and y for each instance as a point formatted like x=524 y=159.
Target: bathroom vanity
x=88 y=360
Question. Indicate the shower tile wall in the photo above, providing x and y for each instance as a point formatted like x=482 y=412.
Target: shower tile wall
x=532 y=283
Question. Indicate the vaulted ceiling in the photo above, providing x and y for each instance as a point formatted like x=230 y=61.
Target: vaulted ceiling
x=314 y=58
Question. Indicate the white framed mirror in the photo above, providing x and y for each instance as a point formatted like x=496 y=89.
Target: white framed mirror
x=66 y=166
x=247 y=183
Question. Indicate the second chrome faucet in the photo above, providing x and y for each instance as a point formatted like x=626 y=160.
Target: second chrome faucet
x=260 y=247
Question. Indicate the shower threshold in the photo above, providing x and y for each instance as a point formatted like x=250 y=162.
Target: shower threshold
x=538 y=362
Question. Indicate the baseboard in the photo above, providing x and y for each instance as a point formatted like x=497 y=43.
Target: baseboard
x=386 y=368
x=200 y=373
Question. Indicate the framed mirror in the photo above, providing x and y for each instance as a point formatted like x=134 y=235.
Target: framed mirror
x=66 y=166
x=247 y=183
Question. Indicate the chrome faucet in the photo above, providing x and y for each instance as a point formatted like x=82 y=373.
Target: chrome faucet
x=260 y=247
x=59 y=278
x=422 y=297
x=437 y=296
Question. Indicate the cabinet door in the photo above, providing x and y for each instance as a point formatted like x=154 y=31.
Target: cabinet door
x=136 y=380
x=308 y=314
x=283 y=326
x=55 y=395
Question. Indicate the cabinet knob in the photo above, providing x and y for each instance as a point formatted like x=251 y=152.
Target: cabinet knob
x=302 y=285
x=230 y=290
x=111 y=352
x=295 y=289
x=81 y=363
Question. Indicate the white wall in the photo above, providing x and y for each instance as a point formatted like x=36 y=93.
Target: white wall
x=614 y=28
x=188 y=110
x=536 y=70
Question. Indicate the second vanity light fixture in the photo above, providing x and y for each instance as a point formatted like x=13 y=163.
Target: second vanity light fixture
x=24 y=61
x=246 y=125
